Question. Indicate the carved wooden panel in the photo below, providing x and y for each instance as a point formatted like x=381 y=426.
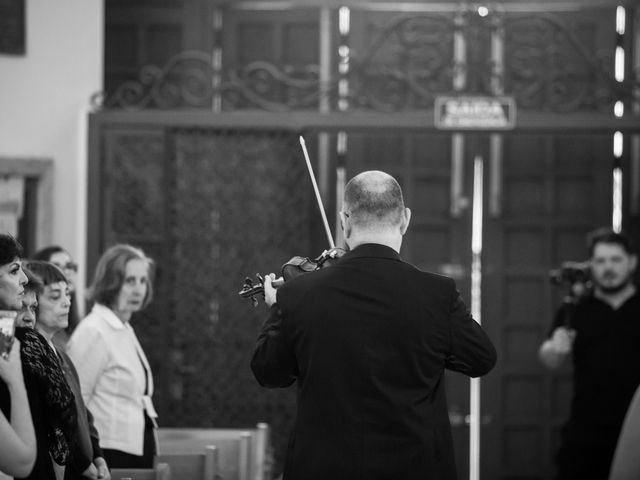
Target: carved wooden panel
x=132 y=197
x=235 y=210
x=555 y=188
x=134 y=205
x=210 y=207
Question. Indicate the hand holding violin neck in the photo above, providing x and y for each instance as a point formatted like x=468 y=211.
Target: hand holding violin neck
x=250 y=290
x=270 y=291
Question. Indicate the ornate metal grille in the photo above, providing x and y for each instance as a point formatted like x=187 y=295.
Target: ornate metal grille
x=406 y=60
x=221 y=205
x=549 y=68
x=407 y=64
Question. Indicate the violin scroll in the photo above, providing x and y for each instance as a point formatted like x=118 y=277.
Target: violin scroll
x=250 y=290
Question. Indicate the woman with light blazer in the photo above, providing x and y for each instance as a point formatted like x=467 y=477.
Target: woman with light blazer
x=115 y=377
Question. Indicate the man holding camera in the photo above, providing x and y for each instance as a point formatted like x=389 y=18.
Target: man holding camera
x=601 y=332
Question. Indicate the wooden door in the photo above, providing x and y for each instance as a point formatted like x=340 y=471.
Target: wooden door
x=544 y=193
x=139 y=34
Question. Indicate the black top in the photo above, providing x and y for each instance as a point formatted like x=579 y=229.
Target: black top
x=51 y=401
x=43 y=468
x=606 y=359
x=368 y=340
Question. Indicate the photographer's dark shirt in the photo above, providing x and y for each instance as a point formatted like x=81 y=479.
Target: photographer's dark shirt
x=606 y=360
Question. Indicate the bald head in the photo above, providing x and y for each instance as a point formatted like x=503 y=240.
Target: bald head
x=373 y=201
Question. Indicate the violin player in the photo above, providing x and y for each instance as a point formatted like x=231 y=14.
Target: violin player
x=367 y=340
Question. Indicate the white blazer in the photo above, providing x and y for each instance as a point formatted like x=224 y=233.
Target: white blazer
x=110 y=360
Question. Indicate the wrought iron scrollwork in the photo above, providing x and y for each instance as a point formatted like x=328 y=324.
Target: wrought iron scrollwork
x=184 y=81
x=548 y=68
x=407 y=64
x=264 y=85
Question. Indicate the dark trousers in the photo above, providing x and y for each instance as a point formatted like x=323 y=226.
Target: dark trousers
x=586 y=454
x=120 y=459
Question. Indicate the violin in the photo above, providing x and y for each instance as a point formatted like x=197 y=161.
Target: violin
x=296 y=266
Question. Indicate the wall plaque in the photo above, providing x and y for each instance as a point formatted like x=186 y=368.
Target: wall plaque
x=475 y=113
x=12 y=27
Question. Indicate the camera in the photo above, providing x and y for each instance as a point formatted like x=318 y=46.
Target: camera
x=571 y=273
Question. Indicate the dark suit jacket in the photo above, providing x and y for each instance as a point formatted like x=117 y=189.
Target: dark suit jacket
x=368 y=340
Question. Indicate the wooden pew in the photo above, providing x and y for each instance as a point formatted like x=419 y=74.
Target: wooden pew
x=192 y=466
x=242 y=453
x=161 y=471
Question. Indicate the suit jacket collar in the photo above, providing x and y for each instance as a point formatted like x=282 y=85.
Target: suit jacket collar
x=375 y=250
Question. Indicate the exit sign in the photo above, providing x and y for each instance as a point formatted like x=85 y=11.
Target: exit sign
x=475 y=113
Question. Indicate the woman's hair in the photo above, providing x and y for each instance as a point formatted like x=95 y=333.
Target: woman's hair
x=110 y=274
x=34 y=284
x=47 y=252
x=10 y=249
x=46 y=272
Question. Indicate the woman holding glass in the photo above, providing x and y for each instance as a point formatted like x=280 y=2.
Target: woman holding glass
x=17 y=435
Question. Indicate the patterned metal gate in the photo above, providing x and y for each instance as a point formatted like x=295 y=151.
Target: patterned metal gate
x=210 y=206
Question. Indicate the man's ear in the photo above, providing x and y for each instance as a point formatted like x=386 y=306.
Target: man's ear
x=634 y=262
x=346 y=228
x=342 y=220
x=406 y=219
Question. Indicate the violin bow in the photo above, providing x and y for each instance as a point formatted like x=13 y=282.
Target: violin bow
x=317 y=192
x=249 y=289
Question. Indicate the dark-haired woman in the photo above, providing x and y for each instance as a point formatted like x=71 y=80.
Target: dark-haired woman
x=115 y=376
x=63 y=260
x=49 y=396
